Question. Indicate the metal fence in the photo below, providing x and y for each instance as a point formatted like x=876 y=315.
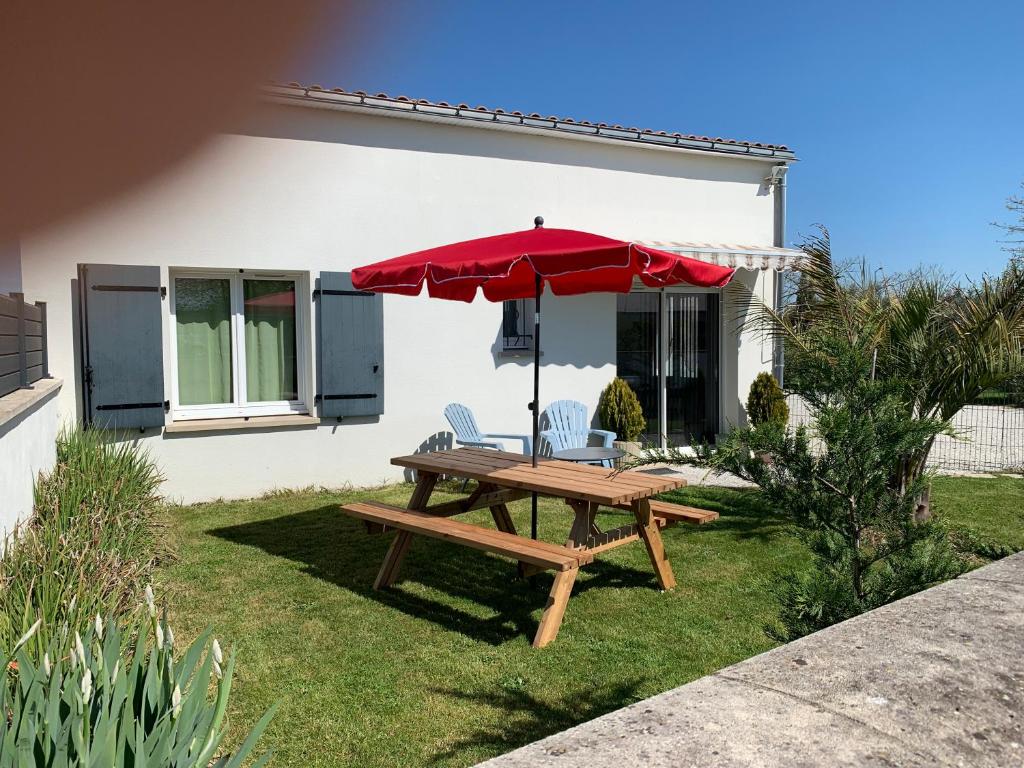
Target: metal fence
x=23 y=354
x=990 y=435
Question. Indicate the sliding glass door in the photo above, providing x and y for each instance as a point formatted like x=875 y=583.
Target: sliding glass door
x=691 y=369
x=637 y=357
x=668 y=351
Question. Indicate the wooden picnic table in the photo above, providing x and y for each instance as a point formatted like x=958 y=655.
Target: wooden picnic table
x=504 y=477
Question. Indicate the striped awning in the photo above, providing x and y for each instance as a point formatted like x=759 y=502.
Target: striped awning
x=737 y=256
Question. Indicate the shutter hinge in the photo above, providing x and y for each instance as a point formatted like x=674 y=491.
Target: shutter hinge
x=88 y=377
x=167 y=406
x=163 y=291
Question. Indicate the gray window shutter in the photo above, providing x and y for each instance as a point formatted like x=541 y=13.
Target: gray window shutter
x=122 y=345
x=350 y=348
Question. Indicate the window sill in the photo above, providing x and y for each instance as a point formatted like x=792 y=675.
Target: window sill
x=235 y=424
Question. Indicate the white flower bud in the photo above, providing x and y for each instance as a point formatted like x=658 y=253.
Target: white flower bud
x=170 y=638
x=80 y=648
x=218 y=655
x=150 y=600
x=46 y=664
x=159 y=637
x=217 y=670
x=98 y=624
x=87 y=685
x=176 y=701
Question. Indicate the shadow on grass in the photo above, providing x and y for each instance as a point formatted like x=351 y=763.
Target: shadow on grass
x=526 y=718
x=336 y=548
x=744 y=514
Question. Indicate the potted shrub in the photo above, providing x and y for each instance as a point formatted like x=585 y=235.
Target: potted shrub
x=766 y=405
x=619 y=411
x=766 y=402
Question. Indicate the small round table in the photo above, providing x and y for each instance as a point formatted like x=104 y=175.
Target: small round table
x=589 y=454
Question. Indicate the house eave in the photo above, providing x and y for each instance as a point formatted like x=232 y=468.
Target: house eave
x=503 y=121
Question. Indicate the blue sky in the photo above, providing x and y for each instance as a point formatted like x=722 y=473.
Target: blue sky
x=908 y=117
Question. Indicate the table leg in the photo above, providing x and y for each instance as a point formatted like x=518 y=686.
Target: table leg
x=648 y=530
x=582 y=524
x=554 y=610
x=392 y=564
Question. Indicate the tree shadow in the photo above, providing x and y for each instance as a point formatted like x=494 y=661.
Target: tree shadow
x=484 y=598
x=526 y=717
x=743 y=512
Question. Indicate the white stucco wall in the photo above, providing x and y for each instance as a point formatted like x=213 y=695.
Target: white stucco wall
x=28 y=431
x=316 y=190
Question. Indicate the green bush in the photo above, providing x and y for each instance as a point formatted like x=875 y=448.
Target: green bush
x=88 y=547
x=766 y=401
x=620 y=412
x=101 y=705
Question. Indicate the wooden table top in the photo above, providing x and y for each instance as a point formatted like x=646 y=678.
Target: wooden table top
x=550 y=477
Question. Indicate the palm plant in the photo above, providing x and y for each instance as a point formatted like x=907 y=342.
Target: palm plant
x=944 y=342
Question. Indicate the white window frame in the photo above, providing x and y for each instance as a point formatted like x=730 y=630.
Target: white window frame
x=240 y=407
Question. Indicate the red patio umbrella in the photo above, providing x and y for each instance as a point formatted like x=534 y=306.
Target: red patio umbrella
x=517 y=265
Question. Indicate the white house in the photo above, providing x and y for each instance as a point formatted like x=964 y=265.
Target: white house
x=186 y=311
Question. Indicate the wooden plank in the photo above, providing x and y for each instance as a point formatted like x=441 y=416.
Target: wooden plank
x=392 y=564
x=33 y=313
x=516 y=547
x=9 y=382
x=554 y=610
x=615 y=534
x=625 y=477
x=504 y=460
x=668 y=511
x=10 y=364
x=8 y=306
x=523 y=479
x=9 y=326
x=393 y=560
x=8 y=344
x=550 y=477
x=681 y=513
x=459 y=506
x=581 y=524
x=647 y=524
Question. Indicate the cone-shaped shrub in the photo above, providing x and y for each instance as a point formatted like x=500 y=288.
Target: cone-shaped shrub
x=766 y=402
x=620 y=412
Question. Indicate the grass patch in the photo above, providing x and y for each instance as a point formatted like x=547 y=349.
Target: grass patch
x=439 y=670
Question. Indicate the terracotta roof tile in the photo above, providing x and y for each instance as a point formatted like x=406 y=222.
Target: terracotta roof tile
x=766 y=150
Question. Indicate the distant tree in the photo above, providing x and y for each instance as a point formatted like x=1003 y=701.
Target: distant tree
x=1015 y=231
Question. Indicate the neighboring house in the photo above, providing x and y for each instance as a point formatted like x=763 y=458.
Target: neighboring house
x=211 y=313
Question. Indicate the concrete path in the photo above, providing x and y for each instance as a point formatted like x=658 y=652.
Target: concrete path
x=936 y=679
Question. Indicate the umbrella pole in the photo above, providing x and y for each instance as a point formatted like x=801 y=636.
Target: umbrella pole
x=535 y=406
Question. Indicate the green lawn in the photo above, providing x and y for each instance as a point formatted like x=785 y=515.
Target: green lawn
x=439 y=670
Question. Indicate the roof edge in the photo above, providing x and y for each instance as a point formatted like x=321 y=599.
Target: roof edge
x=483 y=117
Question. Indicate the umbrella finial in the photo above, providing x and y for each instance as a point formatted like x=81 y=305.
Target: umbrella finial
x=538 y=222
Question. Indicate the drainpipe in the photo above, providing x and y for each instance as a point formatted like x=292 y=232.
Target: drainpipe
x=778 y=180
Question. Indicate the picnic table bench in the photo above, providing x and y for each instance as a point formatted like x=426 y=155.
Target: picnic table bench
x=504 y=477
